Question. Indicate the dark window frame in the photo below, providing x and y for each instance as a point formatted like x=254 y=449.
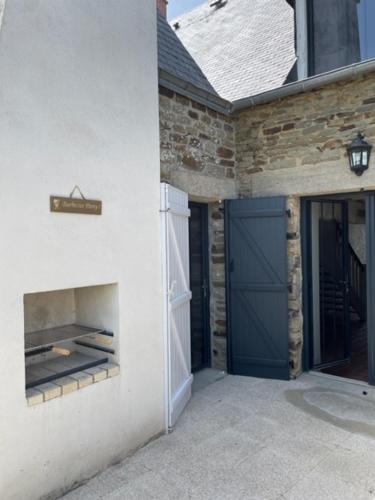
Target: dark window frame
x=311 y=66
x=310 y=38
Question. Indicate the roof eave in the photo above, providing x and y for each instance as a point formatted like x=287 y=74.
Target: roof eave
x=197 y=94
x=301 y=86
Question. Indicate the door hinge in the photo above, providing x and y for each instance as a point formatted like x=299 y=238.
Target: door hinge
x=288 y=213
x=231 y=266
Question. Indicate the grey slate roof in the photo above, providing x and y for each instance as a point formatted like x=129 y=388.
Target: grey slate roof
x=176 y=60
x=243 y=48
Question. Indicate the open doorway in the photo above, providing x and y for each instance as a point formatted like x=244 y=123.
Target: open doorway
x=338 y=286
x=199 y=286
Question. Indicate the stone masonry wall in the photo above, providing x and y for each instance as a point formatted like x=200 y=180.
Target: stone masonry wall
x=194 y=138
x=295 y=287
x=297 y=146
x=217 y=273
x=197 y=156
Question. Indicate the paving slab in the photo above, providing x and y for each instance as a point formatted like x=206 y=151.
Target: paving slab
x=246 y=438
x=319 y=486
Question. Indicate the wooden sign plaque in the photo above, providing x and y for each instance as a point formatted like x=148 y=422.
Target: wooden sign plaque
x=75 y=205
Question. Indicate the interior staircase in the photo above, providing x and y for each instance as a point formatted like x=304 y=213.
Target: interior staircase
x=332 y=290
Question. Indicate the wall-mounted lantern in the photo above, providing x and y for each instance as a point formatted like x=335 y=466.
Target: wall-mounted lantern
x=359 y=154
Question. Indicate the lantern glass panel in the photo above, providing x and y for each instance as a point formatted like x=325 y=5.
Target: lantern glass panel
x=356 y=158
x=365 y=157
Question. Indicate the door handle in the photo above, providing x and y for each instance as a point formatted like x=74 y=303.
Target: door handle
x=345 y=284
x=205 y=288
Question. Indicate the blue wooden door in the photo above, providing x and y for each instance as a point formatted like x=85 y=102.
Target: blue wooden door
x=256 y=239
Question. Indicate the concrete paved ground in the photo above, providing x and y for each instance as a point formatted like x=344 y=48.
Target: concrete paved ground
x=243 y=438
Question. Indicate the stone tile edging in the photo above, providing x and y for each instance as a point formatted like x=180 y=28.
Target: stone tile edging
x=66 y=385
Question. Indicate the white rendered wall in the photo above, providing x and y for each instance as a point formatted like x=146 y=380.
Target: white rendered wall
x=79 y=105
x=49 y=309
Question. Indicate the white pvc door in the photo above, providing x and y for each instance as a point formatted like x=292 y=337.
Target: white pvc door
x=175 y=247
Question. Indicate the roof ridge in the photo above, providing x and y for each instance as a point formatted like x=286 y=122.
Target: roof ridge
x=242 y=51
x=207 y=12
x=197 y=7
x=175 y=59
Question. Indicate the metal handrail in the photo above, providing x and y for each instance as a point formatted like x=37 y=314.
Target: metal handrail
x=357 y=281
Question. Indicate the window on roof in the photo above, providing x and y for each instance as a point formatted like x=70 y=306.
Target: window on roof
x=340 y=33
x=366 y=19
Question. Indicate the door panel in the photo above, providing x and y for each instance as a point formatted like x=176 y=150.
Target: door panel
x=256 y=234
x=175 y=259
x=370 y=252
x=199 y=285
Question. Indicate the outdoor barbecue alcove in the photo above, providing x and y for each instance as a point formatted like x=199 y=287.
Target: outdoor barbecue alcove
x=70 y=339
